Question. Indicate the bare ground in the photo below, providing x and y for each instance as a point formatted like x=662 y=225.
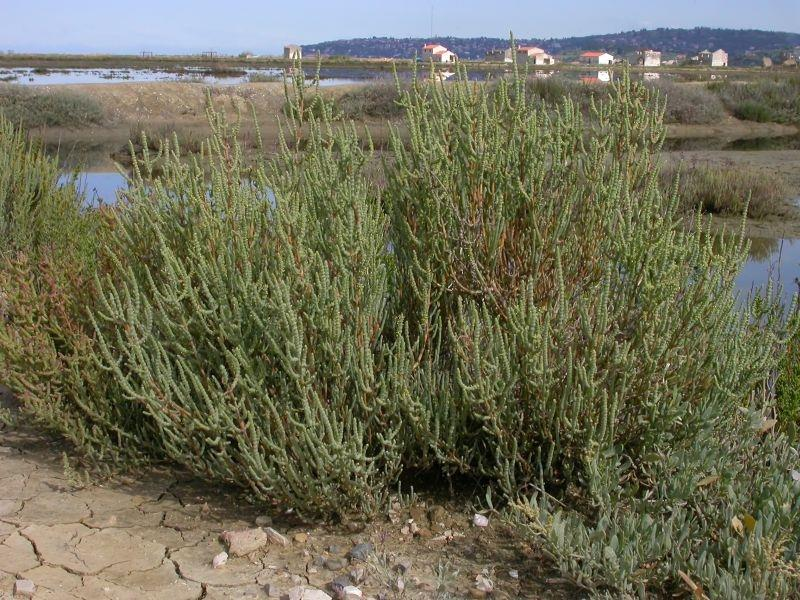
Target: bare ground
x=155 y=535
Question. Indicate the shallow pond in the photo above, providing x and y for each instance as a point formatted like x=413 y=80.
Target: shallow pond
x=29 y=76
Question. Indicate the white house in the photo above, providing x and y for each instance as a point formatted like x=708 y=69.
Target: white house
x=650 y=58
x=438 y=54
x=597 y=58
x=719 y=58
x=292 y=52
x=534 y=56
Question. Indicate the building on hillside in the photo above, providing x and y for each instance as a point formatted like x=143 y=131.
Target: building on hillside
x=503 y=56
x=597 y=58
x=649 y=58
x=292 y=52
x=438 y=54
x=534 y=56
x=766 y=61
x=790 y=62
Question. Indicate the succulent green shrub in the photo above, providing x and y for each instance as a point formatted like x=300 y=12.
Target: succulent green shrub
x=519 y=301
x=576 y=338
x=47 y=264
x=245 y=317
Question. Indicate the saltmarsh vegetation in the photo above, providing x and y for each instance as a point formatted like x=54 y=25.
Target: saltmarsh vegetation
x=51 y=108
x=728 y=189
x=519 y=303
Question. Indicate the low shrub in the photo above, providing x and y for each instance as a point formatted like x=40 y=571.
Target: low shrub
x=380 y=99
x=52 y=108
x=47 y=269
x=764 y=100
x=689 y=104
x=728 y=189
x=519 y=303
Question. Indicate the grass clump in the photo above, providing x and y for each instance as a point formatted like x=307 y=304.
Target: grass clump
x=53 y=108
x=519 y=303
x=728 y=189
x=763 y=100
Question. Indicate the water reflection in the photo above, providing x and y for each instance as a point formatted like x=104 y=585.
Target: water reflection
x=772 y=260
x=97 y=188
x=30 y=76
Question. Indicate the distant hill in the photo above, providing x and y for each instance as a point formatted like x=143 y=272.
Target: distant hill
x=739 y=43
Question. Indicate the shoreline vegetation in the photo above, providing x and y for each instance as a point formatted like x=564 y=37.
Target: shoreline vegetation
x=524 y=315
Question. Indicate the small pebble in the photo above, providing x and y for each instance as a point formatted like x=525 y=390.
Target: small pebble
x=301 y=538
x=263 y=521
x=24 y=588
x=480 y=520
x=219 y=560
x=514 y=574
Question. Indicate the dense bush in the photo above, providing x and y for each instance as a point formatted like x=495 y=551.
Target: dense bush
x=728 y=189
x=380 y=99
x=35 y=108
x=689 y=104
x=47 y=269
x=521 y=303
x=763 y=100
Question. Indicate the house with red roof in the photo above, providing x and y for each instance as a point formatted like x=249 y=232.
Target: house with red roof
x=438 y=54
x=597 y=58
x=533 y=55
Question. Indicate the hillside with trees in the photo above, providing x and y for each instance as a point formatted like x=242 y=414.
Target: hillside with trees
x=739 y=43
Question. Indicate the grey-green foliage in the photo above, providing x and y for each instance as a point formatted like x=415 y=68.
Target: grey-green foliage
x=35 y=212
x=575 y=337
x=246 y=319
x=47 y=263
x=521 y=303
x=31 y=108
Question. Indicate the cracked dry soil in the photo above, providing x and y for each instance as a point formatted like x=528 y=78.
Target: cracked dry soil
x=155 y=535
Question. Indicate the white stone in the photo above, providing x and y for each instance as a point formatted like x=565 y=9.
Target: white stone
x=795 y=475
x=219 y=560
x=24 y=588
x=514 y=574
x=480 y=520
x=351 y=592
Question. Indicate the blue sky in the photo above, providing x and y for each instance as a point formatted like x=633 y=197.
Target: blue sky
x=264 y=26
